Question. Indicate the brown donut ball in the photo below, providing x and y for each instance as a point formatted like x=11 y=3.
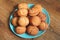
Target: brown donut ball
x=23 y=21
x=23 y=5
x=14 y=21
x=33 y=12
x=20 y=30
x=43 y=26
x=35 y=20
x=38 y=7
x=32 y=30
x=42 y=16
x=22 y=12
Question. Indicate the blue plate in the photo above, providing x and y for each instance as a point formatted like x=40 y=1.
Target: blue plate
x=25 y=35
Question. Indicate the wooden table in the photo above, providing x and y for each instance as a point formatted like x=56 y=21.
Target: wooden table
x=52 y=6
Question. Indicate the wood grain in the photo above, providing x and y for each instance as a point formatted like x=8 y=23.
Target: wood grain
x=52 y=6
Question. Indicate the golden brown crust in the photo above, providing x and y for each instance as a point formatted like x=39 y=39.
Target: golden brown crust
x=14 y=21
x=23 y=21
x=43 y=26
x=23 y=5
x=32 y=30
x=35 y=10
x=35 y=20
x=39 y=7
x=20 y=30
x=22 y=12
x=42 y=16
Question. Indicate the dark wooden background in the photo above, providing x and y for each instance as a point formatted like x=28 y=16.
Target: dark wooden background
x=52 y=6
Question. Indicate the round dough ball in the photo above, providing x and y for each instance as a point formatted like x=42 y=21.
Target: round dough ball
x=33 y=12
x=20 y=30
x=35 y=20
x=42 y=16
x=32 y=30
x=22 y=12
x=38 y=7
x=23 y=21
x=14 y=21
x=23 y=5
x=43 y=26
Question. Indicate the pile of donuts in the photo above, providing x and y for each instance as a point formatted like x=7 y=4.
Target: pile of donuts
x=29 y=20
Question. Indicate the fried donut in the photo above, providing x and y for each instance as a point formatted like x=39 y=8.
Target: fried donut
x=35 y=20
x=35 y=10
x=23 y=5
x=23 y=21
x=22 y=12
x=14 y=21
x=38 y=7
x=43 y=26
x=42 y=16
x=32 y=30
x=20 y=29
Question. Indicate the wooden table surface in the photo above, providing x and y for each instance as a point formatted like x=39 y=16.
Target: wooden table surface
x=52 y=6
